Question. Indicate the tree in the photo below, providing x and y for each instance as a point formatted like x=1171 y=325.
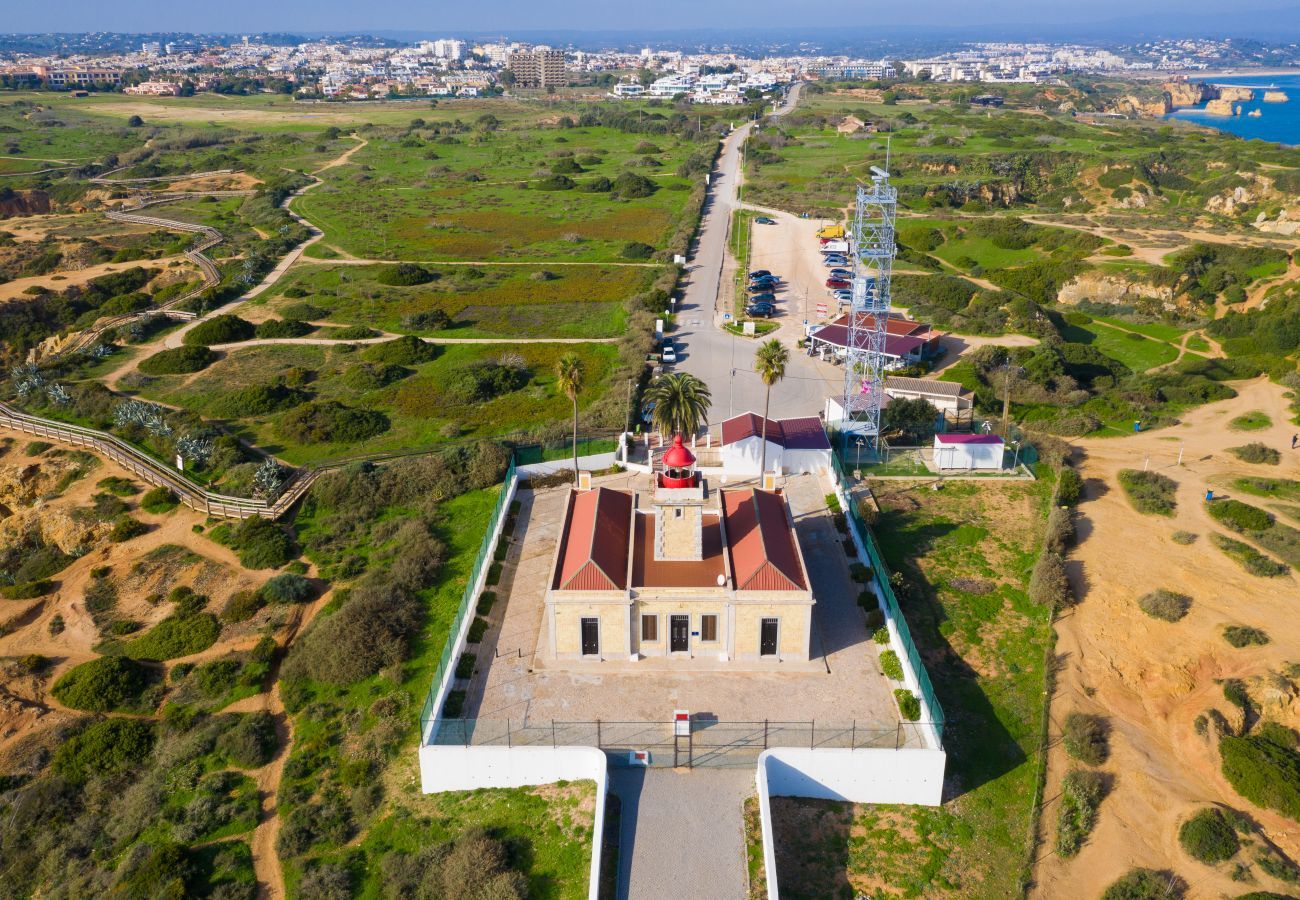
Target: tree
x=681 y=402
x=569 y=374
x=769 y=363
x=914 y=418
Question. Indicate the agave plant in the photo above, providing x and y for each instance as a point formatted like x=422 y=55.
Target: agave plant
x=195 y=446
x=58 y=394
x=27 y=379
x=268 y=479
x=146 y=415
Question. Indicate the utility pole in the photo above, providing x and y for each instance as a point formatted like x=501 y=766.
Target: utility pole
x=1006 y=398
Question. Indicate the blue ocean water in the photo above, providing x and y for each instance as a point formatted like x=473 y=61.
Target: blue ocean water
x=1279 y=122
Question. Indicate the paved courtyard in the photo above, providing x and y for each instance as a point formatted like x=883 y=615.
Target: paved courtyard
x=841 y=685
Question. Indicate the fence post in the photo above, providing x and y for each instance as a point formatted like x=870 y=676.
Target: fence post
x=599 y=742
x=853 y=736
x=765 y=734
x=898 y=735
x=812 y=734
x=510 y=743
x=552 y=734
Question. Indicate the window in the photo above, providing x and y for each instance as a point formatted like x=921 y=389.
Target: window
x=677 y=513
x=708 y=628
x=650 y=628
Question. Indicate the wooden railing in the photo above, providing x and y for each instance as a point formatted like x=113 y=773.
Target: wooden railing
x=158 y=473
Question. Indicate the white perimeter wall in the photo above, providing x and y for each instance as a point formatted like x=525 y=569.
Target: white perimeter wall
x=591 y=463
x=468 y=768
x=859 y=776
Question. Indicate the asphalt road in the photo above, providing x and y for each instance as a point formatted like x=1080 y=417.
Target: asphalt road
x=710 y=353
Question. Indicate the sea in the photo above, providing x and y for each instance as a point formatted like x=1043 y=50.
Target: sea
x=1278 y=122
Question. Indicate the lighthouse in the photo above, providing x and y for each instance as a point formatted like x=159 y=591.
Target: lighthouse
x=678 y=467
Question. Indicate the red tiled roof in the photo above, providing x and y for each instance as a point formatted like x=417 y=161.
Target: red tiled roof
x=894 y=325
x=594 y=553
x=761 y=541
x=804 y=433
x=895 y=345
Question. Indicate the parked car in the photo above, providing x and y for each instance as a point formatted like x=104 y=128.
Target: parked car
x=768 y=297
x=839 y=271
x=837 y=283
x=761 y=287
x=835 y=246
x=833 y=261
x=760 y=310
x=842 y=295
x=668 y=354
x=764 y=220
x=760 y=273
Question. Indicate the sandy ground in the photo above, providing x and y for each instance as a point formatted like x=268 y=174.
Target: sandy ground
x=57 y=281
x=789 y=249
x=1151 y=678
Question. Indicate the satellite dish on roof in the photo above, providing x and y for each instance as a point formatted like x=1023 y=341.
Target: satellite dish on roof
x=722 y=580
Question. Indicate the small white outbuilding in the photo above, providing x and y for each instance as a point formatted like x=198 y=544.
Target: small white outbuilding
x=794 y=446
x=981 y=452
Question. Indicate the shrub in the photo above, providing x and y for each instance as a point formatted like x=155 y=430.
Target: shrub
x=1085 y=738
x=555 y=183
x=1255 y=452
x=1244 y=636
x=1069 y=487
x=636 y=250
x=1184 y=537
x=126 y=528
x=103 y=684
x=257 y=400
x=465 y=666
x=105 y=747
x=486 y=601
x=287 y=587
x=282 y=328
x=454 y=705
x=482 y=381
x=890 y=665
x=1146 y=884
x=1081 y=793
x=1048 y=585
x=178 y=361
x=261 y=543
x=303 y=312
x=1239 y=517
x=1168 y=606
x=1251 y=559
x=477 y=629
x=1234 y=691
x=407 y=350
x=1251 y=421
x=1264 y=768
x=1060 y=530
x=1208 y=837
x=404 y=275
x=329 y=421
x=27 y=590
x=369 y=631
x=427 y=320
x=881 y=635
x=908 y=706
x=250 y=742
x=353 y=333
x=159 y=500
x=1149 y=492
x=224 y=329
x=176 y=635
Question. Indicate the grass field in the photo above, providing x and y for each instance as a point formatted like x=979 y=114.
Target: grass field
x=985 y=644
x=500 y=301
x=421 y=410
x=1136 y=351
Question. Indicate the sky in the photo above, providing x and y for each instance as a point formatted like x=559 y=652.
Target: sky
x=507 y=16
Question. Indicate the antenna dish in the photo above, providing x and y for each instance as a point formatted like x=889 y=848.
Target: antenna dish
x=879 y=172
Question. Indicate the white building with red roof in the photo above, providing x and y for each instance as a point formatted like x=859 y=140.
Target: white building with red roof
x=678 y=573
x=983 y=452
x=794 y=446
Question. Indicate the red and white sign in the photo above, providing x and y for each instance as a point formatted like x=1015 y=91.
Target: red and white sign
x=821 y=309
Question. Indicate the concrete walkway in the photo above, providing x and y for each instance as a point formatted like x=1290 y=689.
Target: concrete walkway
x=682 y=833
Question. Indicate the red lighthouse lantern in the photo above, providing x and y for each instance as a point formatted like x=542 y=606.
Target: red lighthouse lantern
x=678 y=466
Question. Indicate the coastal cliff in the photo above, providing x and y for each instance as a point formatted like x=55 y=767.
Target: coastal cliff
x=1221 y=108
x=1275 y=97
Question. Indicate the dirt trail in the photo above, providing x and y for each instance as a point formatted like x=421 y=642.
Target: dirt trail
x=1151 y=678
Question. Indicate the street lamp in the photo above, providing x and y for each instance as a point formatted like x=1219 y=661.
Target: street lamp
x=1016 y=460
x=857 y=472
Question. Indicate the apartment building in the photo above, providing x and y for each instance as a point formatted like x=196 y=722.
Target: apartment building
x=78 y=76
x=539 y=68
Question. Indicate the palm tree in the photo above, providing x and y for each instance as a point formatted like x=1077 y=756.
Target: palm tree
x=569 y=375
x=681 y=402
x=769 y=363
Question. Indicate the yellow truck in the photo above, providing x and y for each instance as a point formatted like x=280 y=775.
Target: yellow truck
x=831 y=232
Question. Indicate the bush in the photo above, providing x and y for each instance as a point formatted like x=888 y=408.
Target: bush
x=329 y=421
x=1251 y=559
x=27 y=590
x=103 y=684
x=1234 y=691
x=250 y=742
x=287 y=587
x=482 y=381
x=159 y=500
x=176 y=635
x=178 y=361
x=105 y=747
x=908 y=706
x=1085 y=738
x=1081 y=793
x=371 y=630
x=404 y=275
x=881 y=635
x=555 y=183
x=1069 y=487
x=465 y=666
x=631 y=186
x=890 y=665
x=1255 y=452
x=257 y=400
x=1184 y=537
x=1208 y=837
x=224 y=329
x=1149 y=492
x=407 y=350
x=1146 y=884
x=1048 y=585
x=1239 y=517
x=1168 y=606
x=1243 y=636
x=1060 y=530
x=477 y=629
x=636 y=250
x=427 y=320
x=282 y=328
x=1264 y=768
x=261 y=544
x=126 y=528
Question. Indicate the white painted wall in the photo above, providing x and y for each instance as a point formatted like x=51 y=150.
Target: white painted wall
x=982 y=457
x=468 y=768
x=859 y=776
x=742 y=457
x=591 y=463
x=806 y=462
